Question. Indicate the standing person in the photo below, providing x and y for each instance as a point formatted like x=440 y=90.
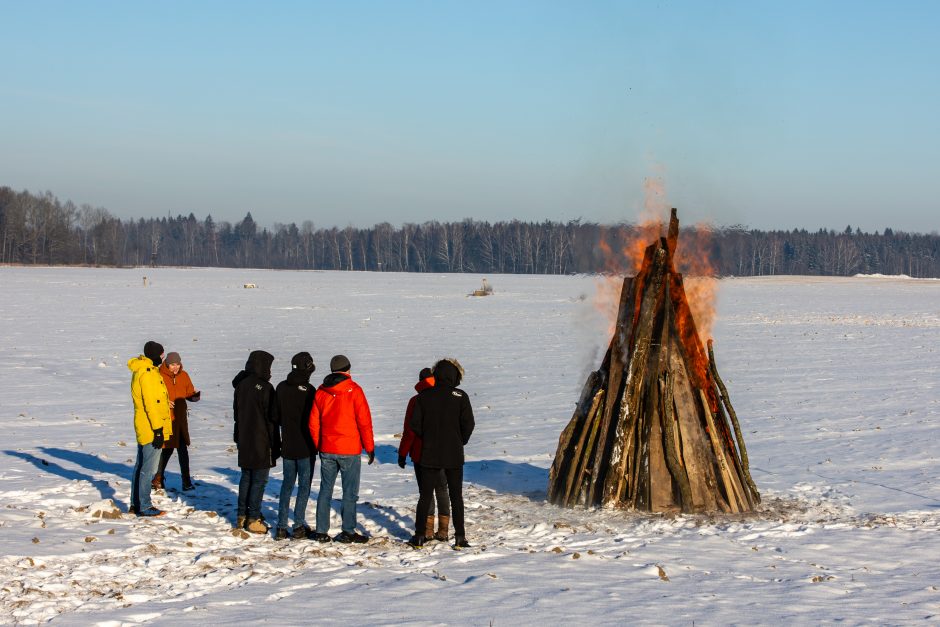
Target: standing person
x=411 y=445
x=152 y=424
x=257 y=437
x=294 y=400
x=443 y=419
x=180 y=389
x=341 y=427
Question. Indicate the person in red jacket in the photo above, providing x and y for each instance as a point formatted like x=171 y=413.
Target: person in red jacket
x=411 y=445
x=180 y=389
x=341 y=427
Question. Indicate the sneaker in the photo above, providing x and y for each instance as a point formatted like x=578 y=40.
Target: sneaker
x=152 y=512
x=460 y=542
x=256 y=526
x=321 y=537
x=349 y=538
x=281 y=534
x=302 y=532
x=416 y=542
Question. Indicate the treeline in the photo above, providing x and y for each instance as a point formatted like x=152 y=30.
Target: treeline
x=40 y=229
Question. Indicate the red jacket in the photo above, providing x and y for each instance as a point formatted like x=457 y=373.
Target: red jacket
x=340 y=420
x=410 y=442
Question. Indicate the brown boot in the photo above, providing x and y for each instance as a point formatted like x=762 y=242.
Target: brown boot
x=442 y=523
x=157 y=482
x=429 y=527
x=256 y=526
x=240 y=522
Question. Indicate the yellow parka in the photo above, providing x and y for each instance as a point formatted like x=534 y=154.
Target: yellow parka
x=151 y=402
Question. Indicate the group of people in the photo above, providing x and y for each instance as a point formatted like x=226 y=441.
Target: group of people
x=297 y=422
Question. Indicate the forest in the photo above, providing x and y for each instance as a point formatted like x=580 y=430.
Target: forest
x=40 y=229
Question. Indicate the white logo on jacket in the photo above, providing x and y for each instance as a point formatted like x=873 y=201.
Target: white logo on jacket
x=456 y=393
x=258 y=386
x=302 y=388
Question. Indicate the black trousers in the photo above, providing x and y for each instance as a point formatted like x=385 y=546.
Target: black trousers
x=165 y=456
x=440 y=492
x=428 y=480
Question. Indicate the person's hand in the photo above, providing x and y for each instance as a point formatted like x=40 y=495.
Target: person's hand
x=371 y=457
x=194 y=397
x=158 y=438
x=401 y=461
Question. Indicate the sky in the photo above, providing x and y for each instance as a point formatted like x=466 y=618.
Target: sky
x=766 y=114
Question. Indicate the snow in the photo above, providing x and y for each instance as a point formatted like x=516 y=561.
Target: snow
x=835 y=382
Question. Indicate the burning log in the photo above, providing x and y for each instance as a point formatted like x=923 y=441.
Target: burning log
x=651 y=429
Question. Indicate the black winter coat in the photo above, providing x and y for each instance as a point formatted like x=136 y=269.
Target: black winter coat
x=294 y=399
x=443 y=419
x=255 y=410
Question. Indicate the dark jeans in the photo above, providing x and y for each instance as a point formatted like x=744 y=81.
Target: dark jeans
x=440 y=493
x=184 y=463
x=301 y=471
x=427 y=482
x=251 y=491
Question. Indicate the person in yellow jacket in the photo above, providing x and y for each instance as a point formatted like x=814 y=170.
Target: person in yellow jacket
x=152 y=424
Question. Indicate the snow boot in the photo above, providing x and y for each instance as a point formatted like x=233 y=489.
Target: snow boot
x=429 y=528
x=281 y=534
x=157 y=482
x=442 y=524
x=350 y=538
x=240 y=522
x=256 y=526
x=416 y=542
x=302 y=532
x=460 y=542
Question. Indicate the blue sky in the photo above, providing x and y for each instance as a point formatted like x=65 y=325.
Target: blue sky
x=769 y=114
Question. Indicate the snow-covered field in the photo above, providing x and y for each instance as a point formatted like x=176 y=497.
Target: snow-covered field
x=835 y=381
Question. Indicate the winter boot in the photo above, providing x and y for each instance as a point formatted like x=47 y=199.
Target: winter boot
x=157 y=482
x=281 y=534
x=428 y=528
x=351 y=538
x=240 y=522
x=256 y=526
x=442 y=524
x=460 y=542
x=416 y=542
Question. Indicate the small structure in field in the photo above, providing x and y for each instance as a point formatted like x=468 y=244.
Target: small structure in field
x=250 y=286
x=652 y=430
x=485 y=290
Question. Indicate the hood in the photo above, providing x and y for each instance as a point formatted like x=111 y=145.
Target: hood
x=135 y=364
x=298 y=377
x=259 y=364
x=423 y=384
x=448 y=372
x=334 y=379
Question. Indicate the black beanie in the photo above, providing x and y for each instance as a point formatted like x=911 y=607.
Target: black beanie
x=339 y=363
x=302 y=362
x=153 y=351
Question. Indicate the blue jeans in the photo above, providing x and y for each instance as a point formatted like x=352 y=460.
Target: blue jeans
x=251 y=491
x=148 y=459
x=300 y=470
x=349 y=466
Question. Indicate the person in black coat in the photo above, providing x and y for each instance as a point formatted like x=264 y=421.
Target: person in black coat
x=443 y=419
x=294 y=398
x=257 y=437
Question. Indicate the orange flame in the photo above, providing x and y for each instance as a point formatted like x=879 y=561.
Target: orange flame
x=622 y=250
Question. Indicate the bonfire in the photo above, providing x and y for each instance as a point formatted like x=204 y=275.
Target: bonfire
x=654 y=429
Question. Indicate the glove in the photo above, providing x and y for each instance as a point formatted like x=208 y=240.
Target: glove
x=371 y=457
x=195 y=397
x=158 y=438
x=401 y=461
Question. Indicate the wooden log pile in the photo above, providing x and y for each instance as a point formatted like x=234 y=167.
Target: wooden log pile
x=654 y=429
